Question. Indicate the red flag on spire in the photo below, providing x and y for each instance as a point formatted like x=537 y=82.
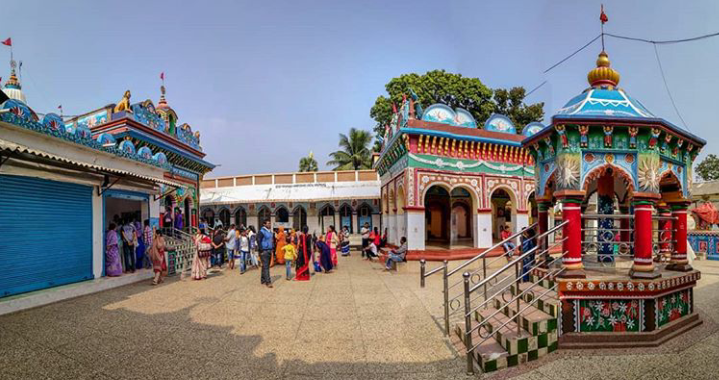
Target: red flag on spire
x=162 y=75
x=7 y=42
x=603 y=16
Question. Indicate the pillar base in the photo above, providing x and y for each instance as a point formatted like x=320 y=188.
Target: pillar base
x=679 y=267
x=645 y=275
x=573 y=273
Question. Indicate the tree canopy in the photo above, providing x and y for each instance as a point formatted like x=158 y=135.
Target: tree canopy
x=708 y=169
x=456 y=91
x=355 y=152
x=308 y=164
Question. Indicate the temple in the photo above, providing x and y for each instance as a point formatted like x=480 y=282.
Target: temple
x=449 y=186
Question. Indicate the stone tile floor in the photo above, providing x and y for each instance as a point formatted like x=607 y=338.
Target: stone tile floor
x=356 y=323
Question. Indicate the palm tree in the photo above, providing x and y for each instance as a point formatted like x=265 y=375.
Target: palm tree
x=308 y=164
x=355 y=153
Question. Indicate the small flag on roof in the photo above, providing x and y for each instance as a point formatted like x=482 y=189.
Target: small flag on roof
x=7 y=42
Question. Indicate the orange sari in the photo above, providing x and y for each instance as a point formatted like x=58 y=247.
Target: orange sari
x=281 y=242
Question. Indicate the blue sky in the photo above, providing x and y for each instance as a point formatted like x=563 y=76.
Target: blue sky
x=265 y=82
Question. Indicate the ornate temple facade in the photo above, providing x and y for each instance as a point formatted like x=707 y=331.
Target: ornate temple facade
x=446 y=184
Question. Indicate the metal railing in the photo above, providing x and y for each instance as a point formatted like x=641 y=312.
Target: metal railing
x=446 y=273
x=539 y=257
x=183 y=245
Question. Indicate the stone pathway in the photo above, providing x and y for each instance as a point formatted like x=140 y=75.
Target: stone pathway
x=356 y=323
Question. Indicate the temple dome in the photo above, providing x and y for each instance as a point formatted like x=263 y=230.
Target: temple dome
x=12 y=87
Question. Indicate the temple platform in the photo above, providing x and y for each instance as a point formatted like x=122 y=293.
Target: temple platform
x=609 y=309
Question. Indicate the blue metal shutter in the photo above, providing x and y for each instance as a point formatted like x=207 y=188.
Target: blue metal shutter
x=45 y=234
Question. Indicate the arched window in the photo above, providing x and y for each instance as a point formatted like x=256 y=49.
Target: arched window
x=241 y=217
x=299 y=218
x=327 y=217
x=364 y=215
x=225 y=217
x=346 y=217
x=263 y=215
x=282 y=215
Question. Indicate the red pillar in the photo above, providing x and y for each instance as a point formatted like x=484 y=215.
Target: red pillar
x=679 y=254
x=572 y=235
x=643 y=266
x=665 y=228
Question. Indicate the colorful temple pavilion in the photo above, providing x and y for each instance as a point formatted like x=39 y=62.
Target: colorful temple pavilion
x=449 y=186
x=604 y=151
x=69 y=179
x=154 y=131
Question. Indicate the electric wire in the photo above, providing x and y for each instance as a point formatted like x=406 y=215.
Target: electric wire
x=666 y=85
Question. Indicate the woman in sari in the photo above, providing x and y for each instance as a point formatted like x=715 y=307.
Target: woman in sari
x=325 y=255
x=204 y=249
x=157 y=255
x=304 y=255
x=332 y=241
x=141 y=246
x=113 y=265
x=293 y=238
x=280 y=241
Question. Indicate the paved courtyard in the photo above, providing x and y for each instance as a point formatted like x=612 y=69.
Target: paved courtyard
x=357 y=323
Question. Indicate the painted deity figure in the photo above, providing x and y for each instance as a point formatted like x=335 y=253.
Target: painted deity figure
x=633 y=136
x=561 y=130
x=548 y=141
x=665 y=144
x=124 y=104
x=608 y=130
x=583 y=131
x=655 y=137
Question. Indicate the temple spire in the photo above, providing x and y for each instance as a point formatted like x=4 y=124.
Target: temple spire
x=603 y=76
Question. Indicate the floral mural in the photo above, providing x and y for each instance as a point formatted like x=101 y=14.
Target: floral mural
x=672 y=307
x=609 y=315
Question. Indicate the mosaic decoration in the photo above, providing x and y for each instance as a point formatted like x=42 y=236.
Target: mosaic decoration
x=160 y=158
x=609 y=315
x=440 y=113
x=673 y=306
x=601 y=102
x=20 y=110
x=12 y=118
x=127 y=146
x=648 y=173
x=648 y=287
x=54 y=122
x=532 y=128
x=568 y=167
x=594 y=162
x=83 y=132
x=546 y=170
x=476 y=166
x=93 y=119
x=499 y=123
x=145 y=153
x=677 y=169
x=106 y=139
x=706 y=242
x=145 y=113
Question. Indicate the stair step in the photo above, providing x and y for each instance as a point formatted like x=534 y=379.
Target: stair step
x=515 y=342
x=489 y=355
x=548 y=303
x=533 y=320
x=547 y=283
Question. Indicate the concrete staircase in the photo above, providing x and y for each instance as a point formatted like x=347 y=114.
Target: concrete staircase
x=509 y=344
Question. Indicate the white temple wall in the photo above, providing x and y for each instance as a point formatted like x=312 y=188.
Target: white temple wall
x=484 y=229
x=415 y=229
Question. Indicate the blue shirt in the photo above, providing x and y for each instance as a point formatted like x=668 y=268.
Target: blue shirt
x=268 y=239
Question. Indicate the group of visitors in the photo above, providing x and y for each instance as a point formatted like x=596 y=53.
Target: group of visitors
x=528 y=243
x=372 y=241
x=130 y=246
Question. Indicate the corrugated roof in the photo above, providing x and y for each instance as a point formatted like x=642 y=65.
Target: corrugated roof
x=310 y=192
x=9 y=146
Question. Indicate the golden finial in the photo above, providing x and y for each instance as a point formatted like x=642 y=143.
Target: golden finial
x=603 y=75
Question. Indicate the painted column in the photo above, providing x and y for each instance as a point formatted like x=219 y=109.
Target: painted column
x=543 y=222
x=605 y=206
x=572 y=234
x=643 y=266
x=393 y=226
x=679 y=254
x=665 y=228
x=415 y=227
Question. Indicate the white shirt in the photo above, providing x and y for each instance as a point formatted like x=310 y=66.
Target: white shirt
x=244 y=244
x=365 y=232
x=231 y=238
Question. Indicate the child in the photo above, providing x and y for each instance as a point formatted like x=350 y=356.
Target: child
x=290 y=254
x=244 y=249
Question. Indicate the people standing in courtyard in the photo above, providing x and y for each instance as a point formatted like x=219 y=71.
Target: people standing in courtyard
x=157 y=255
x=243 y=245
x=203 y=250
x=231 y=246
x=289 y=253
x=113 y=265
x=332 y=241
x=304 y=255
x=147 y=237
x=345 y=241
x=128 y=245
x=254 y=250
x=364 y=231
x=397 y=255
x=140 y=246
x=377 y=238
x=325 y=255
x=218 y=247
x=265 y=242
x=281 y=240
x=179 y=220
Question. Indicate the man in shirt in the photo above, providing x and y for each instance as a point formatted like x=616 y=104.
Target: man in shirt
x=128 y=246
x=365 y=230
x=266 y=244
x=397 y=255
x=231 y=240
x=218 y=247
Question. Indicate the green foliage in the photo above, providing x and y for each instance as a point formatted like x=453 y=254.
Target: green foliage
x=355 y=153
x=455 y=91
x=708 y=169
x=308 y=164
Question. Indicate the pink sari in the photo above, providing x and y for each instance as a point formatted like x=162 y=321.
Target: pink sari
x=333 y=247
